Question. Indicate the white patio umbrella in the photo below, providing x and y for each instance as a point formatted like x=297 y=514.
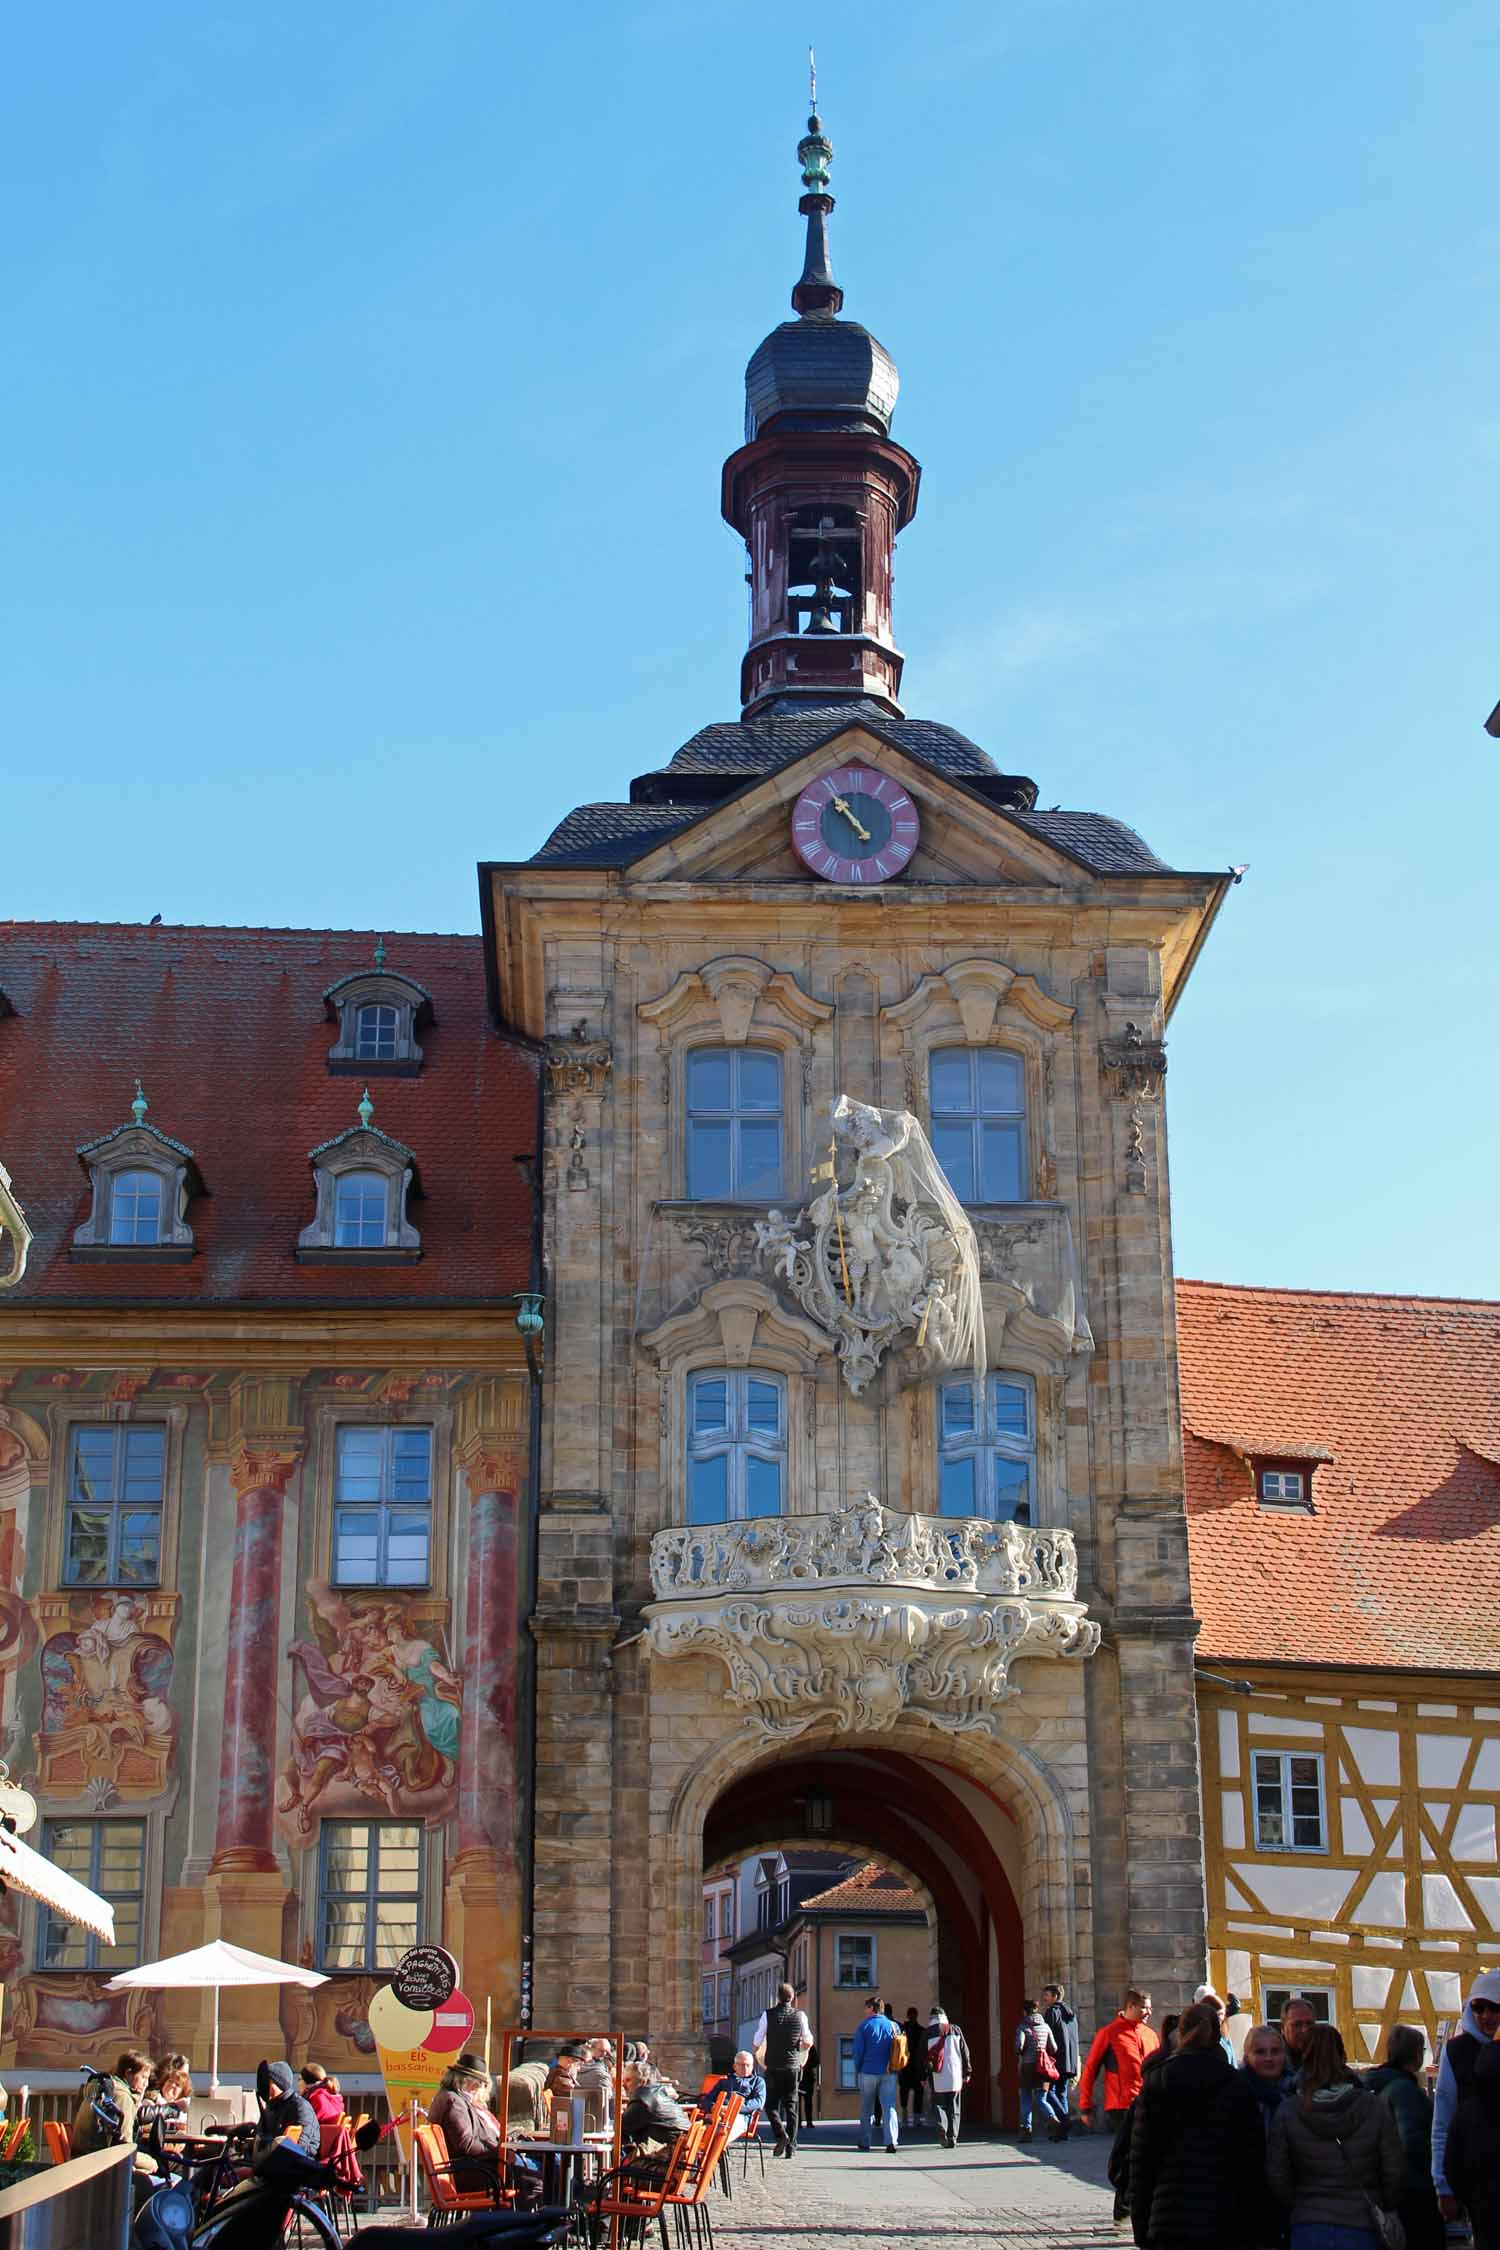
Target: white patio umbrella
x=215 y=1965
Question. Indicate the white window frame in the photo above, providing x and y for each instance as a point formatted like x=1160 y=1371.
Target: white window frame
x=127 y=1183
x=1282 y=1760
x=1281 y=1993
x=386 y=1506
x=737 y=1442
x=372 y=1896
x=1267 y=1479
x=848 y=2082
x=842 y=1983
x=976 y=1118
x=96 y=1954
x=385 y=1043
x=986 y=1444
x=735 y=1117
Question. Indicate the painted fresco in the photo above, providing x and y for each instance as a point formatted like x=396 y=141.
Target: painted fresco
x=108 y=1729
x=376 y=1721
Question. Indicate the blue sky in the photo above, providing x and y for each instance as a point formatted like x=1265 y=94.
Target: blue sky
x=369 y=370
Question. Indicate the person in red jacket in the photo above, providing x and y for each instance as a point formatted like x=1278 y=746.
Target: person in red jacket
x=1118 y=2055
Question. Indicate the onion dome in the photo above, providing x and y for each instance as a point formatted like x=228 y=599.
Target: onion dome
x=818 y=372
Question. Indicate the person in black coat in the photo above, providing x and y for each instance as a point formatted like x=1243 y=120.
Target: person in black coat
x=1196 y=2147
x=1473 y=2154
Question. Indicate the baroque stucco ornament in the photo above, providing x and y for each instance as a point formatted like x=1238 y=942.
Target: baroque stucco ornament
x=863 y=1615
x=888 y=1253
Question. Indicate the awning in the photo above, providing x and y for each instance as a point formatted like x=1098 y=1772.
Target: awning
x=23 y=1870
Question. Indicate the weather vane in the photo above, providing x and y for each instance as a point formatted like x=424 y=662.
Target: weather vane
x=812 y=77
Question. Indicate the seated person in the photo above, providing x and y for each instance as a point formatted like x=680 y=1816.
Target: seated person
x=283 y=2107
x=321 y=2093
x=653 y=2117
x=745 y=2080
x=596 y=2081
x=129 y=2080
x=164 y=2105
x=562 y=2078
x=471 y=2133
x=526 y=2111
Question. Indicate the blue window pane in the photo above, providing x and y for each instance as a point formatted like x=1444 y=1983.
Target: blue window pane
x=1012 y=1491
x=956 y=1488
x=1000 y=1084
x=356 y=1547
x=375 y=1034
x=760 y=1160
x=359 y=1211
x=762 y=1487
x=958 y=1409
x=1009 y=1404
x=406 y=1549
x=953 y=1146
x=708 y=1490
x=708 y=1161
x=952 y=1079
x=135 y=1207
x=708 y=1079
x=93 y=1465
x=1001 y=1182
x=764 y=1412
x=710 y=1403
x=760 y=1082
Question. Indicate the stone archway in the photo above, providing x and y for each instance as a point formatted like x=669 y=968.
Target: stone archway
x=985 y=1827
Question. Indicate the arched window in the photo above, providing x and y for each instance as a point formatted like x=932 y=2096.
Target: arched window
x=376 y=1033
x=359 y=1221
x=135 y=1201
x=979 y=1122
x=734 y=1123
x=987 y=1451
x=736 y=1446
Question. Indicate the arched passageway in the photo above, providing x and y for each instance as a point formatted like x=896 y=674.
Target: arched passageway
x=960 y=1843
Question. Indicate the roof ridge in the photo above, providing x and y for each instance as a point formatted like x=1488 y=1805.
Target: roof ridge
x=20 y=928
x=1339 y=1296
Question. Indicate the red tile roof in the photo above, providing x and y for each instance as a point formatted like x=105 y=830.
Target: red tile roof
x=1397 y=1564
x=228 y=1033
x=871 y=1889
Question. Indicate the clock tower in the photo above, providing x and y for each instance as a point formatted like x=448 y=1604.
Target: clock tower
x=819 y=490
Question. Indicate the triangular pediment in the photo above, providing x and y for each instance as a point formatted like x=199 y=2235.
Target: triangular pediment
x=747 y=838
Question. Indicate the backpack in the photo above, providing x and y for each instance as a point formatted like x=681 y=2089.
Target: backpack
x=900 y=2052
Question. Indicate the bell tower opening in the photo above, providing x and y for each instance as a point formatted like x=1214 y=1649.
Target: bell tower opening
x=823 y=571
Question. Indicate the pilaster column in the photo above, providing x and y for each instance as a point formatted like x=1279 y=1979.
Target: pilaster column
x=483 y=1919
x=243 y=1840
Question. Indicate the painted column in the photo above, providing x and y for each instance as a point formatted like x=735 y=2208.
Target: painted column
x=243 y=1841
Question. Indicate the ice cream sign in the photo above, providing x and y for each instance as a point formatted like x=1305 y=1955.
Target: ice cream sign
x=420 y=2021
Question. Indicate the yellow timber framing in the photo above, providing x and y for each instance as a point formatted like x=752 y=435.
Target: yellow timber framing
x=1391 y=1833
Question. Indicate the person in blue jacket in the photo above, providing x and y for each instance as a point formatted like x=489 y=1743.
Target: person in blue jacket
x=873 y=2042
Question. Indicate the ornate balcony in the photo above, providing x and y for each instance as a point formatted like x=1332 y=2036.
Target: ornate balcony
x=865 y=1614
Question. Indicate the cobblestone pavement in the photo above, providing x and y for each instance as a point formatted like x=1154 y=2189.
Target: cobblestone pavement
x=987 y=2191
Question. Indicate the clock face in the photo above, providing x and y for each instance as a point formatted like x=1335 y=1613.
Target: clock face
x=855 y=825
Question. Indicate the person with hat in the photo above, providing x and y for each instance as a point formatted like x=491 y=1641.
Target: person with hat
x=1455 y=2078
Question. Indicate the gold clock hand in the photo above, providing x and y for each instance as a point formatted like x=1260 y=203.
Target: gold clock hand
x=860 y=830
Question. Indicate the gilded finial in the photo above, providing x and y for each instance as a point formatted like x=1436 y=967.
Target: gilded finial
x=140 y=1105
x=380 y=953
x=366 y=1109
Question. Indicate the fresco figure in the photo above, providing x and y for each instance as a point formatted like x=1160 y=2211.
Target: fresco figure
x=105 y=1689
x=379 y=1716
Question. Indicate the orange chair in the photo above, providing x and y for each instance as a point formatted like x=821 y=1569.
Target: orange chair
x=59 y=2140
x=14 y=2135
x=640 y=2204
x=450 y=2202
x=691 y=2193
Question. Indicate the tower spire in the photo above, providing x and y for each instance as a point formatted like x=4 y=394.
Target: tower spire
x=817 y=291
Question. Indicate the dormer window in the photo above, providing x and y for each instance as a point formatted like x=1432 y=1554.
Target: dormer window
x=362 y=1179
x=377 y=1011
x=1279 y=1485
x=142 y=1183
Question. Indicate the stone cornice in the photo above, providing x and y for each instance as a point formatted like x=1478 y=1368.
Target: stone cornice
x=292 y=1338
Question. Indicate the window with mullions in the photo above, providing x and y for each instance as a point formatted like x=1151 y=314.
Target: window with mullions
x=736 y=1446
x=734 y=1123
x=135 y=1207
x=108 y=1856
x=853 y=1960
x=376 y=1030
x=369 y=1893
x=1288 y=1802
x=987 y=1459
x=113 y=1535
x=382 y=1506
x=848 y=2081
x=361 y=1200
x=979 y=1122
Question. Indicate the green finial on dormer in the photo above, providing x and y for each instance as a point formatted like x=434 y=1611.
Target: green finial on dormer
x=140 y=1105
x=366 y=1109
x=380 y=953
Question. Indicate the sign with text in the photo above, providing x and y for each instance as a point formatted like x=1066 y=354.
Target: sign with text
x=416 y=2043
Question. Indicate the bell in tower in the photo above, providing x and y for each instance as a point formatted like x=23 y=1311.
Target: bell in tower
x=819 y=491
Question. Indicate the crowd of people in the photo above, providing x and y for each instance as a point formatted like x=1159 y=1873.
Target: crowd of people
x=1287 y=2147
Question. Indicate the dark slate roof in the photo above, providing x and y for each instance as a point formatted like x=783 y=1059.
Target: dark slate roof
x=819 y=373
x=719 y=758
x=782 y=733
